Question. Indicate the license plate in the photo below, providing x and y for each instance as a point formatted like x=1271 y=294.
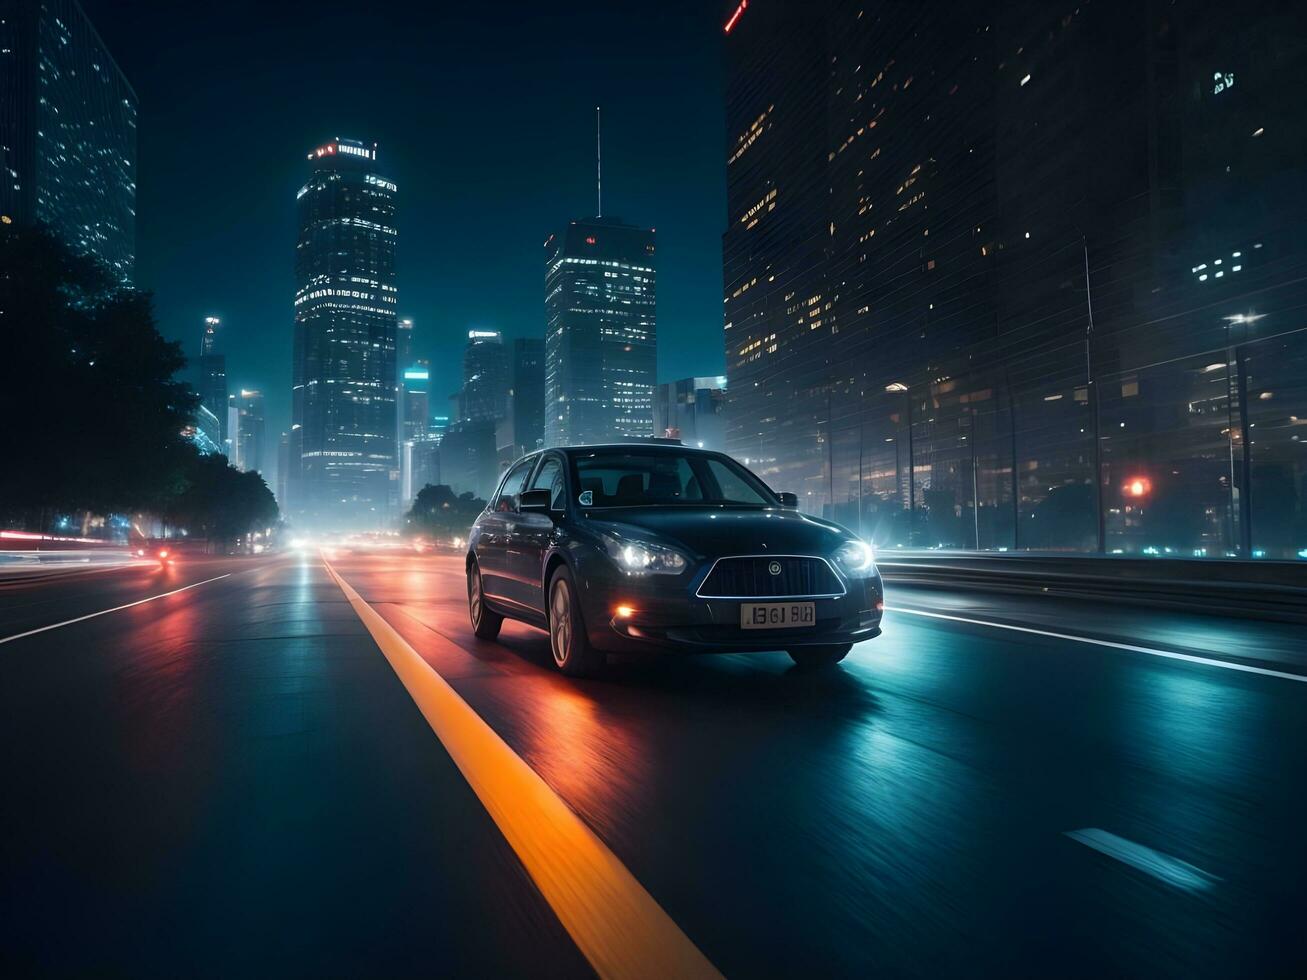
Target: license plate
x=777 y=615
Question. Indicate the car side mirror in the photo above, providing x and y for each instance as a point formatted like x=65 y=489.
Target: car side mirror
x=534 y=502
x=788 y=499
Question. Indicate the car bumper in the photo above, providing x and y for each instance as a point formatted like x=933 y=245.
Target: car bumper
x=658 y=618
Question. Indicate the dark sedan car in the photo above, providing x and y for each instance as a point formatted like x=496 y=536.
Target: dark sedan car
x=661 y=547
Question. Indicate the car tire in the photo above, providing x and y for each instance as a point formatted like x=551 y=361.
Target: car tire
x=485 y=621
x=568 y=641
x=822 y=656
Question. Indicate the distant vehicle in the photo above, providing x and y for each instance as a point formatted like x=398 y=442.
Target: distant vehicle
x=161 y=551
x=660 y=547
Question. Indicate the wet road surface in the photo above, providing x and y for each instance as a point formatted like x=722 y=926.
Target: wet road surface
x=232 y=779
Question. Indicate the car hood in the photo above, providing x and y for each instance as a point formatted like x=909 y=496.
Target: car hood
x=712 y=532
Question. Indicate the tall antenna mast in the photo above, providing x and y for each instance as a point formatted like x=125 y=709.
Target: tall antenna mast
x=599 y=162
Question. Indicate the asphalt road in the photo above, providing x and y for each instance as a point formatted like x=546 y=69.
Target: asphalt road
x=231 y=779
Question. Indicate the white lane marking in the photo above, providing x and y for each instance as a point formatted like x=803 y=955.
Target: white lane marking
x=105 y=612
x=1163 y=867
x=1133 y=648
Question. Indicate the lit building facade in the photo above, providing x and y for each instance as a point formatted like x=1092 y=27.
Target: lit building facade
x=344 y=445
x=415 y=381
x=600 y=333
x=213 y=375
x=486 y=378
x=205 y=432
x=250 y=425
x=971 y=283
x=692 y=410
x=67 y=132
x=403 y=358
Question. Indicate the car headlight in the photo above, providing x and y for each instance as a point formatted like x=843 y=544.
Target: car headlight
x=644 y=557
x=856 y=558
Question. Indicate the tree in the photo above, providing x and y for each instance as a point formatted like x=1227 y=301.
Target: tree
x=93 y=415
x=221 y=502
x=438 y=512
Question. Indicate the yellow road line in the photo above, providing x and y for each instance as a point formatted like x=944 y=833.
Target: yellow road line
x=616 y=924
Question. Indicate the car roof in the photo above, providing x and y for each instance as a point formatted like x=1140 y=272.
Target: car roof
x=662 y=447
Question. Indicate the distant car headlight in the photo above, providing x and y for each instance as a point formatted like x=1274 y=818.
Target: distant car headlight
x=856 y=558
x=644 y=557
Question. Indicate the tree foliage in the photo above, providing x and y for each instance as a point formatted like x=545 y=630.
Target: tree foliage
x=93 y=416
x=438 y=512
x=221 y=502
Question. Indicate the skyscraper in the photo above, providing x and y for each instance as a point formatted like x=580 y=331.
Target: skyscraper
x=344 y=437
x=67 y=132
x=250 y=431
x=976 y=282
x=415 y=380
x=486 y=377
x=601 y=335
x=403 y=358
x=213 y=375
x=417 y=407
x=528 y=397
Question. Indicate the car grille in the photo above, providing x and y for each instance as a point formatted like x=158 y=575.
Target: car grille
x=751 y=578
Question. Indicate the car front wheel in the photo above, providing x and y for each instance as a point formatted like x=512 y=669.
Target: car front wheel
x=568 y=642
x=485 y=621
x=822 y=656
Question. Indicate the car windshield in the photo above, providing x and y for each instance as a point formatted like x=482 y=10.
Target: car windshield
x=645 y=478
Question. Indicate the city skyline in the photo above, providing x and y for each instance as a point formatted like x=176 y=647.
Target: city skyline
x=468 y=260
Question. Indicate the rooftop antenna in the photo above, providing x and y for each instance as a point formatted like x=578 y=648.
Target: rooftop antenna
x=599 y=162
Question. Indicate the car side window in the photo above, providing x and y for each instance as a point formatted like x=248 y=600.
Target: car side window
x=506 y=502
x=550 y=478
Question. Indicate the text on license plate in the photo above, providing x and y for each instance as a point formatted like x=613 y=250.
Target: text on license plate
x=777 y=615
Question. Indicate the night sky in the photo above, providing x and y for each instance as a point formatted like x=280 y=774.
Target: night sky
x=484 y=113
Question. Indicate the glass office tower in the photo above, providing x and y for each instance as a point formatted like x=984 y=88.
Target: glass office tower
x=600 y=333
x=67 y=132
x=487 y=378
x=344 y=454
x=1001 y=276
x=213 y=375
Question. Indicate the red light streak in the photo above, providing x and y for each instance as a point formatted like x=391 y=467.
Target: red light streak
x=736 y=16
x=33 y=536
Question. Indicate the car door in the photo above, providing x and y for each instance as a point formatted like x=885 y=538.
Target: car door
x=497 y=526
x=532 y=534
